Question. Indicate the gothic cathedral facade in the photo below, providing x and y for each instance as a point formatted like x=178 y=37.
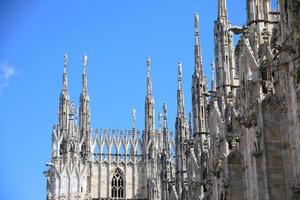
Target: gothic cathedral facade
x=242 y=140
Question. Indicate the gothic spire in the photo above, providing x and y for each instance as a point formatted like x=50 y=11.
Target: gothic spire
x=64 y=100
x=181 y=136
x=222 y=9
x=84 y=108
x=198 y=53
x=180 y=97
x=149 y=103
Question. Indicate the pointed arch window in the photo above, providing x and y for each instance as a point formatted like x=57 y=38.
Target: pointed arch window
x=117 y=185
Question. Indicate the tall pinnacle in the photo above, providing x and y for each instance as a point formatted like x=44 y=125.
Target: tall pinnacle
x=84 y=77
x=222 y=9
x=180 y=98
x=149 y=84
x=65 y=77
x=149 y=104
x=198 y=53
x=64 y=100
x=84 y=108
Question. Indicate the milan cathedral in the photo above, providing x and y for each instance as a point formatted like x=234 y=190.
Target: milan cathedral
x=241 y=141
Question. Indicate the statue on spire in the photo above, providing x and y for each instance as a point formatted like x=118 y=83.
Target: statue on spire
x=196 y=22
x=85 y=58
x=165 y=110
x=148 y=65
x=65 y=59
x=179 y=70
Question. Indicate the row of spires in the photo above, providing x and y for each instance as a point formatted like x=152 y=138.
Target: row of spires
x=149 y=103
x=84 y=112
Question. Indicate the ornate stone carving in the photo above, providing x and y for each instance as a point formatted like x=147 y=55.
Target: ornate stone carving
x=257 y=137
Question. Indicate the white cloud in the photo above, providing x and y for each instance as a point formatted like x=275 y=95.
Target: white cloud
x=6 y=72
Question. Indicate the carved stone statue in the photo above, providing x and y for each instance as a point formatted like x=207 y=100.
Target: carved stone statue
x=65 y=60
x=196 y=25
x=148 y=64
x=85 y=58
x=257 y=139
x=72 y=147
x=179 y=69
x=165 y=110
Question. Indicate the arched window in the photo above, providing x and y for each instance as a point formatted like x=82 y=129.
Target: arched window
x=117 y=185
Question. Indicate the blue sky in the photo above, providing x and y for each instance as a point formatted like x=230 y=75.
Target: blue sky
x=117 y=36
